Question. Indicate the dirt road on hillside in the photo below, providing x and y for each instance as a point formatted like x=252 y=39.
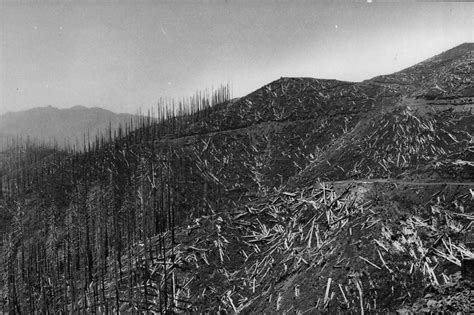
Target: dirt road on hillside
x=401 y=182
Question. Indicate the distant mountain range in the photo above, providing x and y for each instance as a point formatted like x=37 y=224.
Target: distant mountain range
x=62 y=125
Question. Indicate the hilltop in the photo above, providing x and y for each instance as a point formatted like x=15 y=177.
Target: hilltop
x=307 y=195
x=444 y=76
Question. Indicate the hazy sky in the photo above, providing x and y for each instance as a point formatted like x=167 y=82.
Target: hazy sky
x=123 y=55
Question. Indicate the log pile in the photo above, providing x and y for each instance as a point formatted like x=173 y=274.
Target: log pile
x=324 y=240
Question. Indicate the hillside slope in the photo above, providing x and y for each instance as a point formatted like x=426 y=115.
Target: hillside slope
x=444 y=76
x=304 y=196
x=287 y=248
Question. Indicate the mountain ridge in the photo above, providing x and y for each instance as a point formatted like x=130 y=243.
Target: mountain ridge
x=66 y=126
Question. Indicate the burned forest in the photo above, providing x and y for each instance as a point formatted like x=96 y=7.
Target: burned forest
x=305 y=196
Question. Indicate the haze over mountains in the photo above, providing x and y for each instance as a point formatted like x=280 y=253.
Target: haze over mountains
x=66 y=126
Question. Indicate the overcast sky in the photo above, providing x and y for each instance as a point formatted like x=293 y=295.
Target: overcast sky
x=125 y=55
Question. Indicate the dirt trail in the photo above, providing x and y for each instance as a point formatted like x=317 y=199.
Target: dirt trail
x=401 y=182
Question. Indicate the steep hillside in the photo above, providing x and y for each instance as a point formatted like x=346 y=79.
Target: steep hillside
x=259 y=141
x=304 y=196
x=444 y=76
x=61 y=125
x=310 y=246
x=419 y=133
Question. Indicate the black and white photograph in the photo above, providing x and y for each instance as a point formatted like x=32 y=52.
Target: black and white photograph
x=236 y=157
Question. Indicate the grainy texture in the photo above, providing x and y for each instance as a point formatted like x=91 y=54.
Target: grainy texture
x=304 y=196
